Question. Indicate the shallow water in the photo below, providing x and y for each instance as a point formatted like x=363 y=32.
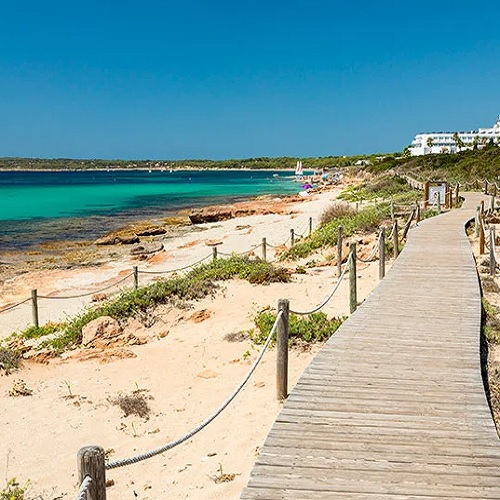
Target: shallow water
x=44 y=206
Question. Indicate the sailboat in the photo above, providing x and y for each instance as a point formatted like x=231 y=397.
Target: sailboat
x=298 y=169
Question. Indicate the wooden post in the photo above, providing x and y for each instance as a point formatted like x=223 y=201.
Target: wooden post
x=392 y=209
x=476 y=221
x=264 y=249
x=310 y=225
x=493 y=263
x=381 y=253
x=136 y=278
x=34 y=307
x=418 y=212
x=494 y=189
x=481 y=234
x=426 y=194
x=457 y=189
x=482 y=207
x=439 y=203
x=339 y=251
x=353 y=298
x=492 y=203
x=91 y=463
x=282 y=351
x=292 y=237
x=214 y=252
x=486 y=186
x=476 y=184
x=395 y=239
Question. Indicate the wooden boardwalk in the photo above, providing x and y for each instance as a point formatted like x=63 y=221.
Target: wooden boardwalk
x=394 y=406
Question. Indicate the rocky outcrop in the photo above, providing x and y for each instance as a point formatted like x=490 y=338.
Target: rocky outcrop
x=100 y=331
x=254 y=207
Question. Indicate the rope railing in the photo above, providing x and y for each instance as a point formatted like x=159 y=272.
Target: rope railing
x=202 y=425
x=330 y=295
x=371 y=257
x=87 y=294
x=170 y=271
x=13 y=306
x=84 y=487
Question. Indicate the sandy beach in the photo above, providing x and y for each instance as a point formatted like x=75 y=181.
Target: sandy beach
x=190 y=361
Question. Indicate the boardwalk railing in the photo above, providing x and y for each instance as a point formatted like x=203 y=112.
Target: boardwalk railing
x=92 y=469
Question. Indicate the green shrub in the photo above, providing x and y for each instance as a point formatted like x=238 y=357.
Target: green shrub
x=336 y=210
x=315 y=327
x=13 y=491
x=366 y=220
x=35 y=332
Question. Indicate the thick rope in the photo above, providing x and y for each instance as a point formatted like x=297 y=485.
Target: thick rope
x=13 y=306
x=328 y=298
x=82 y=492
x=178 y=269
x=198 y=428
x=371 y=258
x=87 y=293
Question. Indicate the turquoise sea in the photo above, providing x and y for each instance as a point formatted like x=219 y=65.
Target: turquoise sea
x=68 y=205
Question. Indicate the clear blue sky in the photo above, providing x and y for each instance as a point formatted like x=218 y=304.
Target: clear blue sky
x=228 y=79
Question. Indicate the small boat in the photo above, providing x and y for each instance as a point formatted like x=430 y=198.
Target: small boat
x=298 y=169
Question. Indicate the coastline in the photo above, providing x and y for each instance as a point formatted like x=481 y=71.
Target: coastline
x=187 y=365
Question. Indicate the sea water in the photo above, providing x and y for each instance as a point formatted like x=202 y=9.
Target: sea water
x=66 y=205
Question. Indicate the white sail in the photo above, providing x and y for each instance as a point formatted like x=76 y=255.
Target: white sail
x=298 y=168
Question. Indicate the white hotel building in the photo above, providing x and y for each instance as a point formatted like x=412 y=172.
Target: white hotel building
x=452 y=142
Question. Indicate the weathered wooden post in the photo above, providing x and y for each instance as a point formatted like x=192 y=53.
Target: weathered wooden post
x=486 y=186
x=136 y=277
x=292 y=237
x=426 y=194
x=381 y=253
x=310 y=225
x=481 y=234
x=395 y=238
x=214 y=252
x=34 y=307
x=494 y=189
x=457 y=189
x=392 y=209
x=417 y=216
x=282 y=350
x=439 y=203
x=476 y=221
x=91 y=463
x=482 y=207
x=476 y=184
x=339 y=250
x=264 y=249
x=492 y=203
x=493 y=262
x=353 y=297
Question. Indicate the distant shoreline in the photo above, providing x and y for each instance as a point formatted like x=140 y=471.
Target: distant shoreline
x=154 y=169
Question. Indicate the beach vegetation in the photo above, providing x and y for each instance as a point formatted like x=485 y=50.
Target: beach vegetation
x=311 y=328
x=199 y=282
x=35 y=332
x=133 y=404
x=491 y=322
x=366 y=220
x=10 y=360
x=13 y=490
x=336 y=210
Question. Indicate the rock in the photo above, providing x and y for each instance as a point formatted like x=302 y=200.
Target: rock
x=128 y=239
x=151 y=231
x=213 y=243
x=199 y=316
x=146 y=249
x=210 y=214
x=106 y=240
x=101 y=328
x=99 y=297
